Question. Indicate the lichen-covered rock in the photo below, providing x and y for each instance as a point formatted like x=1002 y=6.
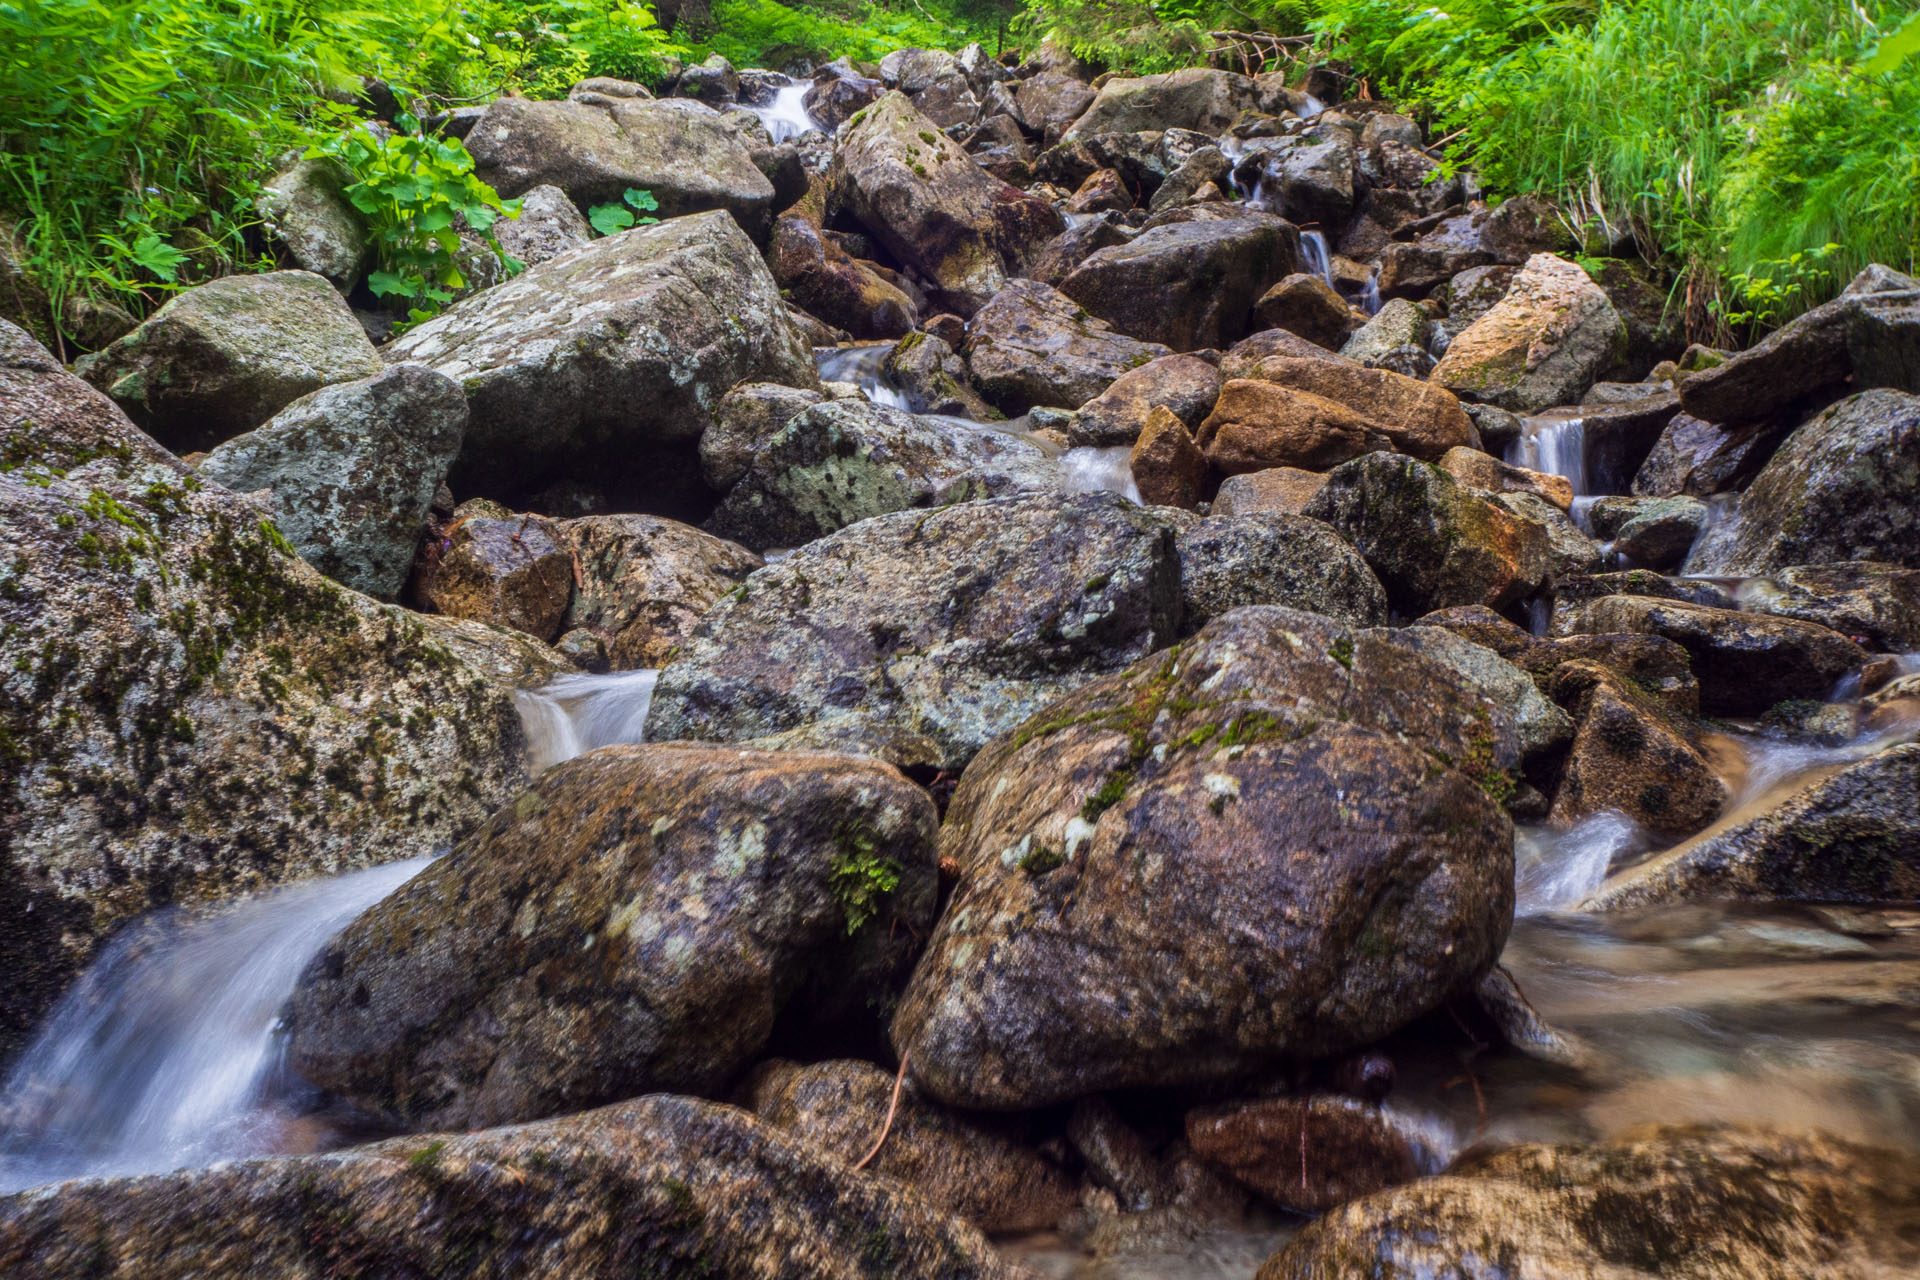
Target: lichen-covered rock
x=1539 y=727
x=1630 y=755
x=690 y=160
x=1227 y=561
x=1866 y=598
x=1845 y=486
x=1190 y=285
x=1552 y=336
x=304 y=209
x=973 y=1167
x=353 y=469
x=664 y=1186
x=824 y=280
x=844 y=461
x=1185 y=385
x=1242 y=850
x=1676 y=1203
x=745 y=419
x=1308 y=1154
x=1431 y=543
x=1397 y=324
x=1745 y=662
x=644 y=582
x=931 y=632
x=1851 y=837
x=515 y=572
x=933 y=208
x=223 y=357
x=636 y=921
x=1197 y=98
x=934 y=378
x=595 y=362
x=1033 y=345
x=548 y=226
x=188 y=711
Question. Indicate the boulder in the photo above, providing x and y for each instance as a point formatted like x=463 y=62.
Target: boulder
x=713 y=80
x=933 y=208
x=1308 y=1154
x=837 y=93
x=1431 y=543
x=1536 y=727
x=1745 y=662
x=929 y=632
x=1197 y=98
x=686 y=1187
x=1569 y=551
x=1397 y=324
x=1415 y=268
x=1308 y=177
x=601 y=360
x=1701 y=459
x=826 y=281
x=637 y=921
x=1103 y=190
x=1167 y=467
x=1032 y=345
x=304 y=210
x=1630 y=755
x=223 y=357
x=1190 y=285
x=548 y=226
x=690 y=160
x=1057 y=258
x=935 y=81
x=1483 y=471
x=745 y=419
x=1242 y=850
x=644 y=582
x=1661 y=1202
x=189 y=711
x=935 y=379
x=1880 y=603
x=847 y=460
x=1284 y=489
x=1309 y=306
x=1552 y=336
x=1653 y=532
x=1522 y=227
x=1048 y=103
x=1845 y=486
x=1573 y=591
x=353 y=468
x=1227 y=561
x=1185 y=385
x=1318 y=412
x=970 y=1166
x=1203 y=172
x=515 y=573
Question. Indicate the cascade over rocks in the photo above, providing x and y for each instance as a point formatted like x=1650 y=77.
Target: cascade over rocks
x=670 y=1184
x=637 y=921
x=689 y=159
x=599 y=361
x=223 y=357
x=1032 y=345
x=841 y=462
x=933 y=208
x=352 y=469
x=1189 y=285
x=921 y=636
x=1159 y=886
x=189 y=711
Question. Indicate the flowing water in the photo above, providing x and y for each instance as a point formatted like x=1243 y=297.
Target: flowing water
x=1090 y=469
x=865 y=367
x=573 y=714
x=786 y=116
x=1316 y=258
x=165 y=1053
x=1554 y=442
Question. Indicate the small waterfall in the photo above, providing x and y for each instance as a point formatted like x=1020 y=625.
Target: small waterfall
x=786 y=116
x=1554 y=442
x=574 y=714
x=1555 y=869
x=1370 y=294
x=864 y=366
x=1089 y=470
x=1311 y=107
x=166 y=1052
x=1318 y=258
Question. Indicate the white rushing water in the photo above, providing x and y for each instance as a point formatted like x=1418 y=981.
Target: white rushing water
x=1318 y=259
x=166 y=1052
x=1554 y=442
x=1090 y=469
x=1554 y=869
x=865 y=367
x=574 y=714
x=786 y=116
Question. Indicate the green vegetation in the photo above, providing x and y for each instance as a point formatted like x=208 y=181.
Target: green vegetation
x=766 y=33
x=859 y=875
x=610 y=218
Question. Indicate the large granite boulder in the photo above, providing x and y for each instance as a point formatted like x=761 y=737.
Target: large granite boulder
x=1047 y=103
x=1249 y=848
x=846 y=460
x=353 y=469
x=1184 y=385
x=1032 y=345
x=1190 y=285
x=223 y=357
x=1197 y=98
x=938 y=85
x=188 y=711
x=745 y=419
x=1845 y=486
x=1227 y=561
x=1315 y=413
x=644 y=582
x=1554 y=335
x=934 y=209
x=637 y=921
x=1665 y=1202
x=689 y=159
x=304 y=208
x=598 y=361
x=662 y=1186
x=921 y=636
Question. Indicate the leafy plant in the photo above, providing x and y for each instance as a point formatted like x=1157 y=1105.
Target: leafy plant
x=610 y=218
x=414 y=190
x=859 y=876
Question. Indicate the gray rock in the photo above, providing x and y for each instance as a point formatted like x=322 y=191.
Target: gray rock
x=1033 y=345
x=353 y=469
x=934 y=378
x=1510 y=695
x=1398 y=323
x=645 y=582
x=598 y=361
x=223 y=357
x=847 y=460
x=745 y=419
x=303 y=208
x=1190 y=285
x=1654 y=532
x=1227 y=561
x=926 y=634
x=1197 y=98
x=1307 y=177
x=1701 y=459
x=548 y=226
x=1880 y=602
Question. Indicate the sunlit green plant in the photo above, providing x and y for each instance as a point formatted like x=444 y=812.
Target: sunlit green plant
x=610 y=218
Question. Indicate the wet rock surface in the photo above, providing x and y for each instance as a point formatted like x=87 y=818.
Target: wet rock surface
x=644 y=582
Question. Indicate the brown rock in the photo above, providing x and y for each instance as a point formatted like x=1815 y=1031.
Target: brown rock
x=645 y=581
x=1629 y=754
x=1280 y=489
x=1415 y=417
x=1255 y=426
x=1168 y=468
x=1483 y=471
x=1185 y=384
x=512 y=573
x=824 y=280
x=1552 y=336
x=1348 y=1149
x=1309 y=306
x=1103 y=189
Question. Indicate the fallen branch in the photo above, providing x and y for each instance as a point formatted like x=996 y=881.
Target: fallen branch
x=887 y=1126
